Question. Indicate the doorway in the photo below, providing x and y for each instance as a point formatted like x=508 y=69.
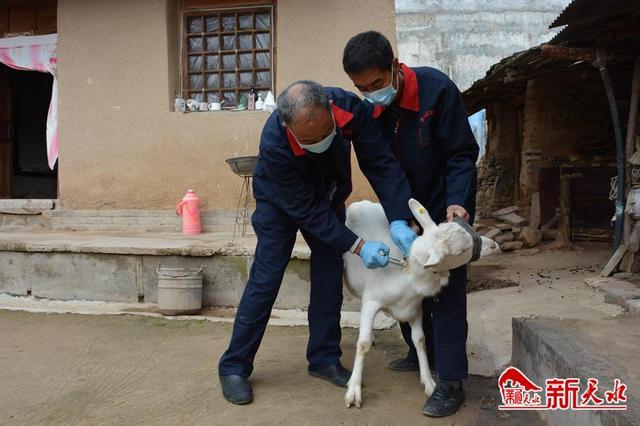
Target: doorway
x=24 y=102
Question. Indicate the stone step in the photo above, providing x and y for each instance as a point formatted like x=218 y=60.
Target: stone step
x=26 y=206
x=157 y=214
x=23 y=214
x=605 y=349
x=121 y=267
x=112 y=220
x=19 y=221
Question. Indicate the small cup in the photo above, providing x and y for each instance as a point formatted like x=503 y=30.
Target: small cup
x=215 y=106
x=192 y=104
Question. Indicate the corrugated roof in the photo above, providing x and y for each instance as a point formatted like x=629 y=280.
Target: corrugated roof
x=588 y=9
x=623 y=24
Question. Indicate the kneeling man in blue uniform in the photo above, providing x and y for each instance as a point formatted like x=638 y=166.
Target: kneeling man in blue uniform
x=301 y=182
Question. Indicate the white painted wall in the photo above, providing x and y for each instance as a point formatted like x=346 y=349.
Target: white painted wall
x=463 y=38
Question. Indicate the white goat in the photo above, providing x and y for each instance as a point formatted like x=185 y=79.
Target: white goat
x=399 y=291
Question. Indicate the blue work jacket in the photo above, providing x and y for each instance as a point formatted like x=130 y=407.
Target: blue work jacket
x=312 y=188
x=429 y=133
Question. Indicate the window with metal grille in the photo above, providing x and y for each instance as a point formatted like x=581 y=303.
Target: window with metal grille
x=226 y=52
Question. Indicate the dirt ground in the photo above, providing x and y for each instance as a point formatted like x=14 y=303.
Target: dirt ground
x=79 y=369
x=547 y=284
x=74 y=369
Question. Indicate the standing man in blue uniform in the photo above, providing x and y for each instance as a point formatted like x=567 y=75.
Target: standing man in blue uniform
x=421 y=114
x=301 y=182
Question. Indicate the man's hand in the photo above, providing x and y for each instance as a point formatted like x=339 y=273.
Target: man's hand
x=402 y=235
x=374 y=254
x=456 y=210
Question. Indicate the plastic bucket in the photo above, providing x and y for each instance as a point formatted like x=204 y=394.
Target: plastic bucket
x=179 y=290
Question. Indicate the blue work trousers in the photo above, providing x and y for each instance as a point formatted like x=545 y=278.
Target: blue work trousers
x=276 y=234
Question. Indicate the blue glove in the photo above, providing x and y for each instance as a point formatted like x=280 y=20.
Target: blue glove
x=402 y=235
x=374 y=254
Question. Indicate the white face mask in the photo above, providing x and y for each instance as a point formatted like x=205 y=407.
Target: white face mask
x=323 y=145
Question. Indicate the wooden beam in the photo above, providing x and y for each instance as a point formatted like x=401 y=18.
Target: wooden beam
x=563 y=239
x=630 y=259
x=614 y=261
x=207 y=4
x=568 y=53
x=630 y=139
x=565 y=235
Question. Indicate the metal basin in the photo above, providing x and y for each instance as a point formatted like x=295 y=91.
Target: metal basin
x=243 y=166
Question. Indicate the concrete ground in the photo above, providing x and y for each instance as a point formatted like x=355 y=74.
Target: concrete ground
x=602 y=349
x=73 y=369
x=616 y=340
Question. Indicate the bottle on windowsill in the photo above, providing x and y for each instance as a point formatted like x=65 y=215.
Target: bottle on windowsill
x=259 y=103
x=251 y=99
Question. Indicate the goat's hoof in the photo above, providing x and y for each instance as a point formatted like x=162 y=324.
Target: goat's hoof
x=428 y=390
x=429 y=386
x=353 y=396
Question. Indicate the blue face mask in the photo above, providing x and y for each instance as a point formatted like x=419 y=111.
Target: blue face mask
x=323 y=145
x=384 y=96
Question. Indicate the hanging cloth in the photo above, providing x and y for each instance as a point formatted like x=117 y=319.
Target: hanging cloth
x=37 y=53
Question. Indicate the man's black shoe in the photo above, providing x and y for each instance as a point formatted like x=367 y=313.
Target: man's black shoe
x=236 y=389
x=404 y=364
x=336 y=374
x=445 y=400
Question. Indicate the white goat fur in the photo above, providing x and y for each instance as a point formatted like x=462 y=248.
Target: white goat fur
x=399 y=291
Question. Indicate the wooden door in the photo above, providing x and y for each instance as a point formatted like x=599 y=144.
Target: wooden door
x=6 y=133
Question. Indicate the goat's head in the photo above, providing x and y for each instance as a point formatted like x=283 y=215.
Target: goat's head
x=445 y=246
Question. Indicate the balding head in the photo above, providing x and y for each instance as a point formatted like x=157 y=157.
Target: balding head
x=305 y=109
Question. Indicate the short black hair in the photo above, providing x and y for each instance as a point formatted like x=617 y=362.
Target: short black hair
x=367 y=50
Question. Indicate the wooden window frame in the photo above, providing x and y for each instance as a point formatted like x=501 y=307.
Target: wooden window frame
x=220 y=10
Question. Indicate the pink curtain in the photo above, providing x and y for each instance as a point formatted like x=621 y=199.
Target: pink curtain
x=37 y=53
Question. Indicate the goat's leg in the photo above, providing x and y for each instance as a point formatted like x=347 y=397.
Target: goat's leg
x=354 y=388
x=417 y=336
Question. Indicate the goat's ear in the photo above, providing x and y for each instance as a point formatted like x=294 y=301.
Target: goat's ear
x=433 y=260
x=421 y=214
